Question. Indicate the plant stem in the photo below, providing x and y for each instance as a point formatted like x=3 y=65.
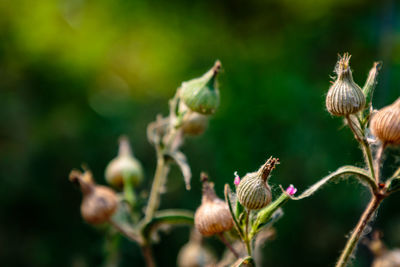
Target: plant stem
x=125 y=232
x=148 y=256
x=159 y=178
x=246 y=237
x=365 y=146
x=378 y=160
x=228 y=245
x=358 y=230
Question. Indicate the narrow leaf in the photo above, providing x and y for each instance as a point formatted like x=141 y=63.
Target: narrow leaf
x=361 y=174
x=371 y=82
x=228 y=202
x=169 y=217
x=181 y=161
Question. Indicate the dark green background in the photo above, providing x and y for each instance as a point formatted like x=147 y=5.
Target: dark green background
x=75 y=75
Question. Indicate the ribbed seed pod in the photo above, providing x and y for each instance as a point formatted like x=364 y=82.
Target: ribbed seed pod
x=193 y=254
x=388 y=259
x=344 y=97
x=124 y=164
x=201 y=94
x=213 y=216
x=385 y=124
x=253 y=191
x=99 y=202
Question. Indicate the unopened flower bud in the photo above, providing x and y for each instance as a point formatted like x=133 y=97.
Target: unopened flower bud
x=291 y=190
x=201 y=94
x=213 y=216
x=344 y=97
x=236 y=180
x=253 y=191
x=125 y=165
x=385 y=124
x=99 y=202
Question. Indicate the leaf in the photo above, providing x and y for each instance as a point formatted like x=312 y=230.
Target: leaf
x=371 y=82
x=265 y=215
x=244 y=262
x=166 y=217
x=228 y=202
x=181 y=161
x=393 y=183
x=361 y=174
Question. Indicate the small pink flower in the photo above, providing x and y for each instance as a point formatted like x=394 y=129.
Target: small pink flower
x=291 y=190
x=236 y=181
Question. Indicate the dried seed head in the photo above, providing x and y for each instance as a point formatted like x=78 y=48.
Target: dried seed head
x=124 y=165
x=253 y=191
x=99 y=202
x=193 y=254
x=194 y=124
x=213 y=215
x=201 y=94
x=344 y=97
x=385 y=124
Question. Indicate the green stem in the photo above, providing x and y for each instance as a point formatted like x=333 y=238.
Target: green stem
x=129 y=193
x=366 y=149
x=159 y=178
x=246 y=238
x=378 y=160
x=358 y=230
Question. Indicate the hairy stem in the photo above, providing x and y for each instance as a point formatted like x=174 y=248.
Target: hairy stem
x=228 y=245
x=364 y=144
x=378 y=160
x=159 y=178
x=358 y=230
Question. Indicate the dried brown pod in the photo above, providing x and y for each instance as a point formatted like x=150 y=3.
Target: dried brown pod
x=213 y=216
x=344 y=97
x=253 y=190
x=125 y=165
x=99 y=202
x=193 y=254
x=385 y=124
x=194 y=124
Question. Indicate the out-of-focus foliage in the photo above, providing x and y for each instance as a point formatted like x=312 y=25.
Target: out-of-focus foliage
x=76 y=74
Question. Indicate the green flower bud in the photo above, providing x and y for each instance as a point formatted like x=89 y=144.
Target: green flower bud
x=201 y=94
x=124 y=166
x=253 y=191
x=344 y=97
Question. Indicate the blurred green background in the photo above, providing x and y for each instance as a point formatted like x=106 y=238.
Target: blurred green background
x=76 y=74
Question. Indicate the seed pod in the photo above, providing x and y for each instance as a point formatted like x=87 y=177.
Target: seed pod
x=124 y=165
x=194 y=124
x=201 y=94
x=213 y=215
x=344 y=97
x=385 y=124
x=193 y=254
x=253 y=191
x=99 y=202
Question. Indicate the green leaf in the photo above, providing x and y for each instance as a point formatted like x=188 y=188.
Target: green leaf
x=228 y=202
x=393 y=183
x=264 y=215
x=244 y=262
x=361 y=174
x=371 y=82
x=169 y=217
x=182 y=163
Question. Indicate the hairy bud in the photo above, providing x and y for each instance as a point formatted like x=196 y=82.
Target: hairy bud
x=385 y=124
